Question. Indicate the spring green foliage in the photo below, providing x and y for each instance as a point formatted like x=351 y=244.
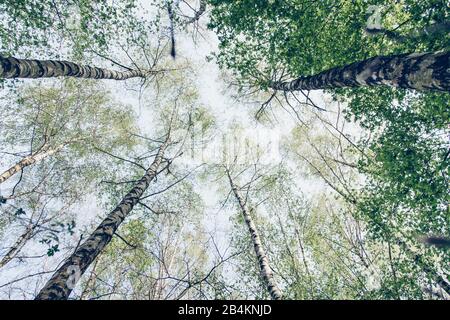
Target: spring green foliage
x=374 y=165
x=28 y=25
x=403 y=152
x=260 y=39
x=161 y=250
x=84 y=119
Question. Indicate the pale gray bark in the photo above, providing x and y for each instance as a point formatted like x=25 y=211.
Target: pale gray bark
x=17 y=246
x=266 y=271
x=62 y=282
x=201 y=10
x=43 y=153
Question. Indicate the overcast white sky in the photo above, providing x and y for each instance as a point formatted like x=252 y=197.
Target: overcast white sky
x=217 y=98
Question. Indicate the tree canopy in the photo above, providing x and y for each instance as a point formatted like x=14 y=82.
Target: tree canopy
x=223 y=149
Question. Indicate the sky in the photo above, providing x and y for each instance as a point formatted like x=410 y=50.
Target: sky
x=216 y=95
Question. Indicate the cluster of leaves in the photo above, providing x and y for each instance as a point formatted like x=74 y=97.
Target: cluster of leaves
x=405 y=159
x=84 y=119
x=82 y=26
x=52 y=236
x=260 y=39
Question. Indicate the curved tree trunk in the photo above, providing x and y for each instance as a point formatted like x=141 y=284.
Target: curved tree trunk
x=29 y=160
x=23 y=68
x=418 y=71
x=64 y=279
x=20 y=243
x=263 y=261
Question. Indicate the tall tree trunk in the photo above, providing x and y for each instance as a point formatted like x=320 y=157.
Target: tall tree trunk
x=64 y=279
x=432 y=30
x=20 y=243
x=44 y=152
x=23 y=68
x=419 y=71
x=263 y=261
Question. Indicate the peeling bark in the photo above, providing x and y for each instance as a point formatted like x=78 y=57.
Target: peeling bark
x=418 y=71
x=24 y=68
x=64 y=279
x=261 y=256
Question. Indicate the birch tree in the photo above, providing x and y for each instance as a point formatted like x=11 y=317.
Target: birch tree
x=160 y=255
x=92 y=34
x=263 y=261
x=40 y=216
x=60 y=285
x=276 y=43
x=51 y=182
x=11 y=67
x=162 y=252
x=61 y=119
x=345 y=210
x=172 y=126
x=350 y=168
x=316 y=246
x=418 y=71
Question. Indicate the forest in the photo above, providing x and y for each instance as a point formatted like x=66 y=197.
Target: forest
x=224 y=150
